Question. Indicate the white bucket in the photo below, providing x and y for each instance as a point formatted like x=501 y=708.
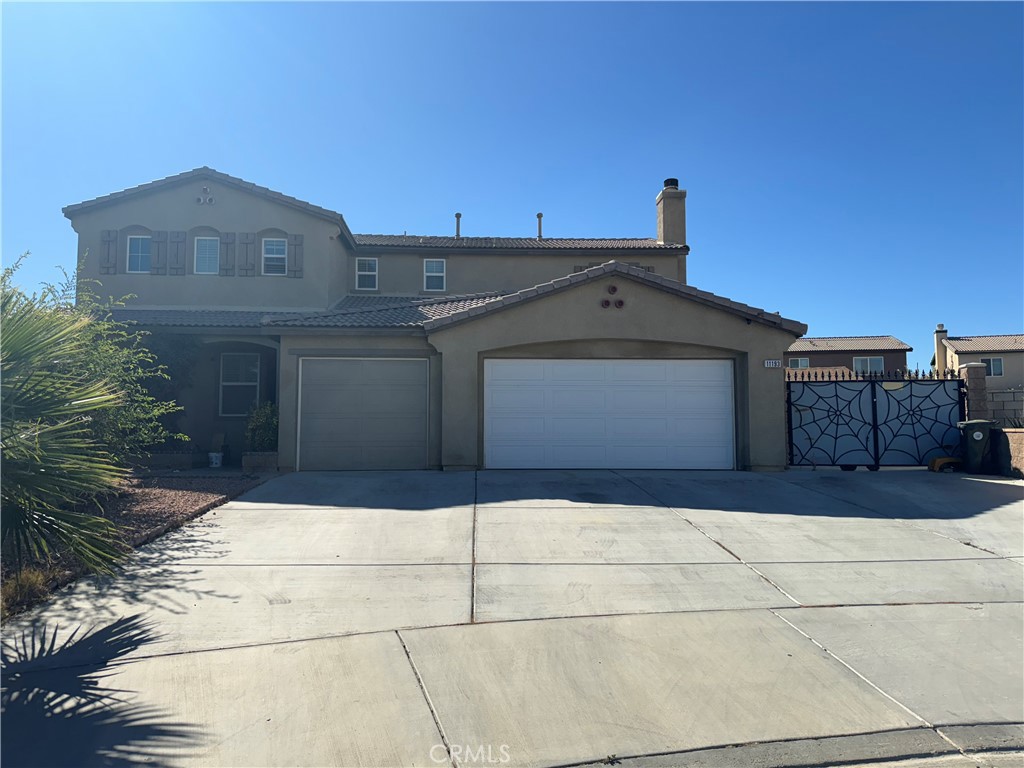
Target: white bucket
x=216 y=459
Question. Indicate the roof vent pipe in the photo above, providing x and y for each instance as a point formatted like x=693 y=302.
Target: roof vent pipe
x=458 y=218
x=540 y=232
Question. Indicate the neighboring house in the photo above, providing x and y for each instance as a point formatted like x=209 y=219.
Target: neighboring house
x=861 y=354
x=401 y=351
x=1003 y=356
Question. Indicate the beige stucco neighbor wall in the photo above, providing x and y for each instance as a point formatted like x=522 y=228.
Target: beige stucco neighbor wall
x=1013 y=367
x=293 y=348
x=401 y=273
x=652 y=324
x=174 y=209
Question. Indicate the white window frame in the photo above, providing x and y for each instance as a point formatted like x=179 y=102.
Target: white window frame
x=990 y=366
x=220 y=390
x=360 y=273
x=128 y=255
x=264 y=257
x=195 y=255
x=443 y=274
x=801 y=362
x=869 y=358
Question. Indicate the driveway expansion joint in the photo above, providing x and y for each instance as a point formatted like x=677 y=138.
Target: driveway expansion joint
x=426 y=697
x=854 y=671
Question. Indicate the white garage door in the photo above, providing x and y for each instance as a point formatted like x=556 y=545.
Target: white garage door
x=362 y=414
x=642 y=414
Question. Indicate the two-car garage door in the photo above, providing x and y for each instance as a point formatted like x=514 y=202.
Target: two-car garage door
x=650 y=414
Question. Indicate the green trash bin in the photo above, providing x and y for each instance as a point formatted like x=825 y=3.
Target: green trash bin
x=976 y=446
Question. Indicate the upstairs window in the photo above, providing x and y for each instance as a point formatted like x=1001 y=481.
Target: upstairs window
x=138 y=254
x=868 y=365
x=239 y=383
x=993 y=366
x=433 y=275
x=275 y=256
x=366 y=274
x=799 y=362
x=207 y=255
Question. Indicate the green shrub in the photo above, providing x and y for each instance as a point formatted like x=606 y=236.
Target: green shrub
x=261 y=429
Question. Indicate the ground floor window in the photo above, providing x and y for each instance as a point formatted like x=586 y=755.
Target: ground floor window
x=799 y=362
x=868 y=365
x=239 y=382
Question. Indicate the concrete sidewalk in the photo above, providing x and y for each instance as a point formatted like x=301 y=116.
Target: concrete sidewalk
x=545 y=618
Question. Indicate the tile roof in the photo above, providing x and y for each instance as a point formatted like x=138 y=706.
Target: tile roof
x=746 y=311
x=1013 y=342
x=195 y=318
x=388 y=241
x=382 y=312
x=849 y=344
x=435 y=313
x=513 y=243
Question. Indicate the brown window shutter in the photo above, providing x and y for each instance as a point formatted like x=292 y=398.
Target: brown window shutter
x=176 y=256
x=246 y=254
x=295 y=249
x=158 y=253
x=108 y=252
x=227 y=254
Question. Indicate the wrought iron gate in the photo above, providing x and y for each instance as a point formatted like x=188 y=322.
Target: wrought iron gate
x=873 y=422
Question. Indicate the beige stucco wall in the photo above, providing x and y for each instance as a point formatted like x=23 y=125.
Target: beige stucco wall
x=174 y=208
x=401 y=273
x=293 y=348
x=1013 y=367
x=652 y=324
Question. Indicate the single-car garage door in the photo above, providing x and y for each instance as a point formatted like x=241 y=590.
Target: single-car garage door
x=362 y=414
x=642 y=414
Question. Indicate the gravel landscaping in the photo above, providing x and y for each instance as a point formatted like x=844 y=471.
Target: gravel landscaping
x=146 y=508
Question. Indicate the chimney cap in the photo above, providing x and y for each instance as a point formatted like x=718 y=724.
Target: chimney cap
x=940 y=327
x=671 y=183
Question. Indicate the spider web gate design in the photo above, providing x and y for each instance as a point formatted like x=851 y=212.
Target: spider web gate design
x=873 y=423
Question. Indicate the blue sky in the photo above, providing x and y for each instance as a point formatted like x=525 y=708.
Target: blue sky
x=858 y=167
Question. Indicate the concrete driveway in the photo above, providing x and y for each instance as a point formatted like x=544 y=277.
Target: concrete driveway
x=545 y=618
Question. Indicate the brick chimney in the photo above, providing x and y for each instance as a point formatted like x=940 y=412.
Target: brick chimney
x=940 y=348
x=671 y=204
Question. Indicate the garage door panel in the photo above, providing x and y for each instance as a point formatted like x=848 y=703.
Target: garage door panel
x=578 y=399
x=514 y=374
x=703 y=371
x=570 y=429
x=640 y=428
x=702 y=431
x=508 y=398
x=515 y=427
x=633 y=400
x=700 y=400
x=629 y=456
x=609 y=413
x=363 y=414
x=574 y=370
x=654 y=372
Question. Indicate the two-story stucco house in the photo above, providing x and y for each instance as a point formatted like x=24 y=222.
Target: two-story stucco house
x=853 y=354
x=1002 y=356
x=401 y=351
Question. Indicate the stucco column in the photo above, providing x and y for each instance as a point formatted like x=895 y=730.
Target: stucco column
x=977 y=395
